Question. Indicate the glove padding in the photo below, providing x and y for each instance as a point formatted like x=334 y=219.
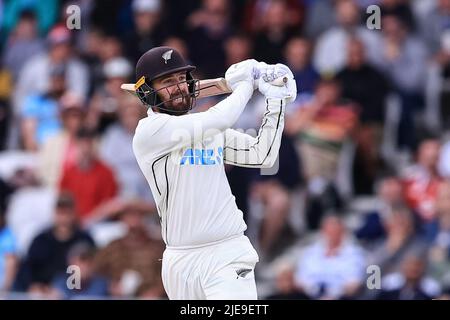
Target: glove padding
x=241 y=72
x=269 y=73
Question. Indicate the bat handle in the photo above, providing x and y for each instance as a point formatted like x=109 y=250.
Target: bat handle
x=279 y=82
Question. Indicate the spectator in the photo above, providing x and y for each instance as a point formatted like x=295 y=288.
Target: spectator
x=411 y=283
x=255 y=12
x=333 y=267
x=422 y=179
x=355 y=78
x=400 y=238
x=5 y=191
x=131 y=262
x=335 y=120
x=8 y=254
x=399 y=8
x=285 y=285
x=147 y=32
x=274 y=191
x=90 y=180
x=440 y=235
x=58 y=152
x=332 y=50
x=70 y=18
x=274 y=34
x=30 y=207
x=47 y=256
x=91 y=285
x=320 y=17
x=298 y=57
x=437 y=92
x=358 y=74
x=176 y=13
x=444 y=160
x=389 y=195
x=321 y=128
x=23 y=43
x=100 y=48
x=237 y=48
x=34 y=76
x=104 y=104
x=435 y=23
x=131 y=181
x=110 y=48
x=403 y=59
x=40 y=112
x=45 y=11
x=5 y=108
x=209 y=28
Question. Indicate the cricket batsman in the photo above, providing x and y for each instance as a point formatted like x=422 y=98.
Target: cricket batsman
x=182 y=156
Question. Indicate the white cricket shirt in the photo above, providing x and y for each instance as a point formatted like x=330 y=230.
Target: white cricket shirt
x=182 y=158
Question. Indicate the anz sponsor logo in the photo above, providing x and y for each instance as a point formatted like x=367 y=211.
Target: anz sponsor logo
x=202 y=157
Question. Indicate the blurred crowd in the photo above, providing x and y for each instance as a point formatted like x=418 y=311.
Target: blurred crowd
x=359 y=207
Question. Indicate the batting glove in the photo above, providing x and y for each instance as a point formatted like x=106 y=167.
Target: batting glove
x=269 y=73
x=241 y=72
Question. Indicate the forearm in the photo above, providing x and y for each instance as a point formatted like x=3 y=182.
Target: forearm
x=29 y=134
x=10 y=272
x=262 y=151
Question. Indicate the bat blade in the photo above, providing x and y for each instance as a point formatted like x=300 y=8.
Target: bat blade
x=212 y=87
x=129 y=87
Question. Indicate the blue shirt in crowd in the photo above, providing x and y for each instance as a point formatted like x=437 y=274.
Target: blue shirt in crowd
x=44 y=110
x=8 y=245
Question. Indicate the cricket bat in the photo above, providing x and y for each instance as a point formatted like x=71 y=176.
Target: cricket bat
x=209 y=87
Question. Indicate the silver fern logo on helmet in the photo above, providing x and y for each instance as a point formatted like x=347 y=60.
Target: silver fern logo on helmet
x=167 y=55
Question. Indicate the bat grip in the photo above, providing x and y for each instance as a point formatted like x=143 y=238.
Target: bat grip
x=279 y=82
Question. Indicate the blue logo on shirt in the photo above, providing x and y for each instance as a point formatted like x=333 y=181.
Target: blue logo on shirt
x=202 y=157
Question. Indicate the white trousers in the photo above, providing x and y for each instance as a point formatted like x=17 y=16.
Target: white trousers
x=222 y=271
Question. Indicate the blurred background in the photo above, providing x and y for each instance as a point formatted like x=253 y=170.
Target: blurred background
x=360 y=205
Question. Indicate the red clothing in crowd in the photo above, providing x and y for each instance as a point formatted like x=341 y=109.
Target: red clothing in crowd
x=421 y=191
x=90 y=187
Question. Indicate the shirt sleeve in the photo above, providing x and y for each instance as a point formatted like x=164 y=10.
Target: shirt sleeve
x=261 y=152
x=162 y=133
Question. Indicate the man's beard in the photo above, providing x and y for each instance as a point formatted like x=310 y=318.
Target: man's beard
x=179 y=104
